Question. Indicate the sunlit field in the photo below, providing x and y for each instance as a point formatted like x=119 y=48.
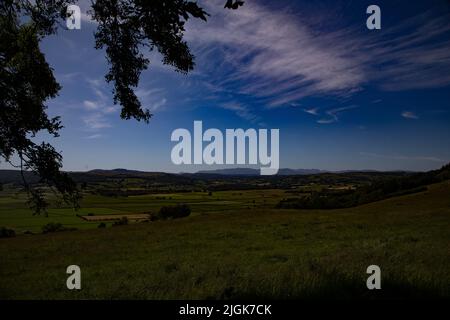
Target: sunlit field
x=15 y=213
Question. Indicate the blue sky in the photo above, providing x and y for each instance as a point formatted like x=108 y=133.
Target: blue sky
x=343 y=96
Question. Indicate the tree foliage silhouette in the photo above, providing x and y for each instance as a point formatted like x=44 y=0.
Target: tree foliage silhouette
x=27 y=82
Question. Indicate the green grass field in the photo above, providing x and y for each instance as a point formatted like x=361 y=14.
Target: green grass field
x=15 y=214
x=231 y=248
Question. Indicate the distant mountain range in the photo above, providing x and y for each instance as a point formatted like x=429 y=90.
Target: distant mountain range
x=97 y=175
x=256 y=172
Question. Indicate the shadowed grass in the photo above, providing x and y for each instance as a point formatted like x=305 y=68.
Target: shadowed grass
x=268 y=254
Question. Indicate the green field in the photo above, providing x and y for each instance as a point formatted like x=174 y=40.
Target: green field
x=231 y=248
x=15 y=214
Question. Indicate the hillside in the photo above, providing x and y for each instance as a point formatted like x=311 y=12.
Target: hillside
x=334 y=198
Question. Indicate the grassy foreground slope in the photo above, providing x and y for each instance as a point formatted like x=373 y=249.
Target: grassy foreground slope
x=246 y=254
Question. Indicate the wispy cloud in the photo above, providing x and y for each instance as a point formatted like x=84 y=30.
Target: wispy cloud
x=90 y=105
x=99 y=107
x=242 y=111
x=157 y=105
x=152 y=99
x=313 y=111
x=332 y=115
x=279 y=57
x=94 y=136
x=274 y=55
x=67 y=77
x=96 y=121
x=409 y=115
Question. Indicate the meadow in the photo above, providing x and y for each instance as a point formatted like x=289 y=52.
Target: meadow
x=15 y=214
x=234 y=245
